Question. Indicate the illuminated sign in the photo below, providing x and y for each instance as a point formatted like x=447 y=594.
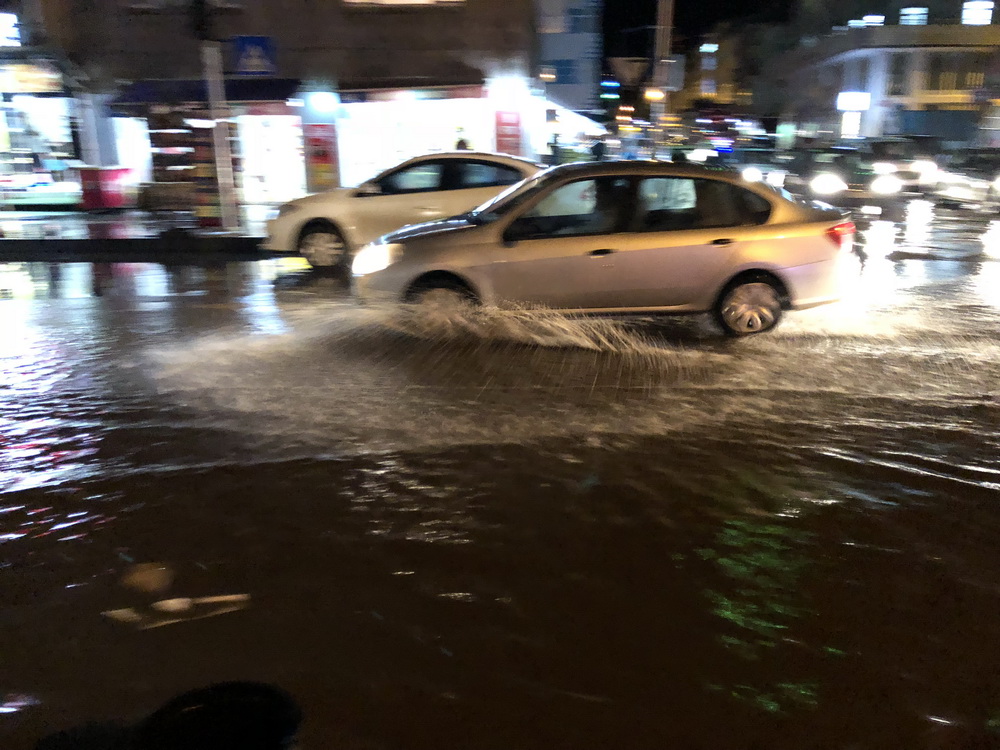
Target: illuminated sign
x=854 y=101
x=10 y=34
x=28 y=78
x=977 y=13
x=913 y=17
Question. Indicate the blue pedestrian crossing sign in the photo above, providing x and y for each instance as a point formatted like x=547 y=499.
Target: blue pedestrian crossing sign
x=254 y=56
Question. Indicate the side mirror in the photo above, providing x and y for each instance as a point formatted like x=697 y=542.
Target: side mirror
x=368 y=189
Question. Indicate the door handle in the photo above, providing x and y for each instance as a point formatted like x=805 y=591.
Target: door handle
x=723 y=241
x=602 y=251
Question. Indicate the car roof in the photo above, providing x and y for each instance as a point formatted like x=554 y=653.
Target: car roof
x=475 y=155
x=639 y=167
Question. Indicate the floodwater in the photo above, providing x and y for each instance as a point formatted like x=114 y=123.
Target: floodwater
x=507 y=531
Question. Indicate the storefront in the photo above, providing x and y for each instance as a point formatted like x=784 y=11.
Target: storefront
x=37 y=151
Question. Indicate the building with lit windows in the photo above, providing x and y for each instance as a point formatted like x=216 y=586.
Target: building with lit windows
x=910 y=78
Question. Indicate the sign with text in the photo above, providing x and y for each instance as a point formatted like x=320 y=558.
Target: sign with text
x=253 y=56
x=322 y=163
x=508 y=126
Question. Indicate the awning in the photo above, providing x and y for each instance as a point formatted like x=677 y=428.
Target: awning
x=194 y=91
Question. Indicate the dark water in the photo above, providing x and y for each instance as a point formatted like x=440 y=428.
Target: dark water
x=498 y=532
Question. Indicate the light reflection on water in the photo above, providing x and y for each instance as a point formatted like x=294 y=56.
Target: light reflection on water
x=510 y=511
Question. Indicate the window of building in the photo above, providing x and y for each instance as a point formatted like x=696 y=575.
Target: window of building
x=942 y=71
x=897 y=75
x=708 y=86
x=565 y=70
x=863 y=67
x=709 y=62
x=582 y=21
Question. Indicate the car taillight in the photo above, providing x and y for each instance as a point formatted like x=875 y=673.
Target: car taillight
x=842 y=235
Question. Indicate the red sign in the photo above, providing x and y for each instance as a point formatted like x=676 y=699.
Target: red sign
x=322 y=163
x=509 y=133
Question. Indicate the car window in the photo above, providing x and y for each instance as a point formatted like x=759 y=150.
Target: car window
x=675 y=203
x=593 y=206
x=476 y=174
x=417 y=178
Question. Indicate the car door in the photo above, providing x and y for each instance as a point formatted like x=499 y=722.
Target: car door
x=408 y=195
x=560 y=250
x=685 y=232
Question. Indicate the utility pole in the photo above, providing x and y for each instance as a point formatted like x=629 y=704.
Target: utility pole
x=661 y=66
x=211 y=60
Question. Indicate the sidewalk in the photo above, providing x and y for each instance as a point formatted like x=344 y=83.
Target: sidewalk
x=128 y=236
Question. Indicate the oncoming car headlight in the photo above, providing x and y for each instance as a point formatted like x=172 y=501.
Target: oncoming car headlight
x=925 y=167
x=373 y=258
x=752 y=174
x=827 y=184
x=886 y=185
x=883 y=167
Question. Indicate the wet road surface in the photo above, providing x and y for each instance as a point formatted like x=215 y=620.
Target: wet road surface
x=499 y=532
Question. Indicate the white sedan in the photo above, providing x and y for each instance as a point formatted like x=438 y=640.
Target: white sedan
x=326 y=228
x=621 y=237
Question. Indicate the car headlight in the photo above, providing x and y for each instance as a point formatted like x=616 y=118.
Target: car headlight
x=827 y=184
x=375 y=257
x=752 y=174
x=925 y=166
x=775 y=179
x=883 y=167
x=886 y=185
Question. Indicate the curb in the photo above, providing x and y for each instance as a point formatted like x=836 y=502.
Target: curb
x=180 y=248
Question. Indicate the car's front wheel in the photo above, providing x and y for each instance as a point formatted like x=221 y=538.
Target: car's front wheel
x=324 y=247
x=748 y=306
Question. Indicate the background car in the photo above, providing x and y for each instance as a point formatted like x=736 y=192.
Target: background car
x=326 y=228
x=848 y=178
x=970 y=179
x=623 y=237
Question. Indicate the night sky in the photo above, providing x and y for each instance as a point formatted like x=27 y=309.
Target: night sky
x=691 y=18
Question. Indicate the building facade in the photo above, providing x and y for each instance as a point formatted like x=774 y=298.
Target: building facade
x=319 y=92
x=570 y=50
x=884 y=80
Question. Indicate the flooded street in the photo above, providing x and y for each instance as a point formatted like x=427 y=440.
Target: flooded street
x=507 y=531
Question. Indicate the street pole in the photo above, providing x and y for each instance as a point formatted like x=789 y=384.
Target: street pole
x=661 y=71
x=211 y=58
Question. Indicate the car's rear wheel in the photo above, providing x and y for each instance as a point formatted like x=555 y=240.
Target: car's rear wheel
x=748 y=306
x=324 y=247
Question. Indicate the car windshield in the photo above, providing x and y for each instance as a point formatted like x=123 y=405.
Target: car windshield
x=508 y=200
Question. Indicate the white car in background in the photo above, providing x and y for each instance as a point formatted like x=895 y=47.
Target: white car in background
x=327 y=228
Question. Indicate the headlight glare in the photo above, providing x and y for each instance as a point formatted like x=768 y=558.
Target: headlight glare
x=883 y=167
x=886 y=185
x=827 y=184
x=925 y=166
x=375 y=257
x=752 y=174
